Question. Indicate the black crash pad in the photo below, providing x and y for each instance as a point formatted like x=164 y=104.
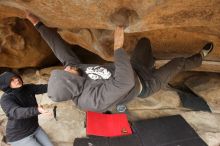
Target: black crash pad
x=131 y=140
x=167 y=131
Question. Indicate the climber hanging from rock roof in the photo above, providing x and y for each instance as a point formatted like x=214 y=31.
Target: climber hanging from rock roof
x=95 y=87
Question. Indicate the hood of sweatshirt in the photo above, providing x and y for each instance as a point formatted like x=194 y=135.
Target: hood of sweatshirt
x=5 y=79
x=64 y=86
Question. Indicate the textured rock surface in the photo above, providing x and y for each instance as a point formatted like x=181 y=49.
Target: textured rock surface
x=21 y=45
x=176 y=28
x=70 y=123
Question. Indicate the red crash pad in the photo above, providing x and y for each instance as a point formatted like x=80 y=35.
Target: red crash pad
x=107 y=125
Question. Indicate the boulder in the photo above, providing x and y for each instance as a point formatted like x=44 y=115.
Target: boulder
x=174 y=28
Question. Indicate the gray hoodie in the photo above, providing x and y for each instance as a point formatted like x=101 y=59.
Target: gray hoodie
x=99 y=88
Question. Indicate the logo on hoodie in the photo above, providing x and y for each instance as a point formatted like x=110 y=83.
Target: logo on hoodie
x=98 y=72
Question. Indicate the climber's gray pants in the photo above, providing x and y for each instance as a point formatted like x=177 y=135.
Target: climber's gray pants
x=154 y=79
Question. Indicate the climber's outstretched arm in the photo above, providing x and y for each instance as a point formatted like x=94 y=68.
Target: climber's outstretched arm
x=62 y=50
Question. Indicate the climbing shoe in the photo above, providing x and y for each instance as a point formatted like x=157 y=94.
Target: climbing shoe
x=206 y=49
